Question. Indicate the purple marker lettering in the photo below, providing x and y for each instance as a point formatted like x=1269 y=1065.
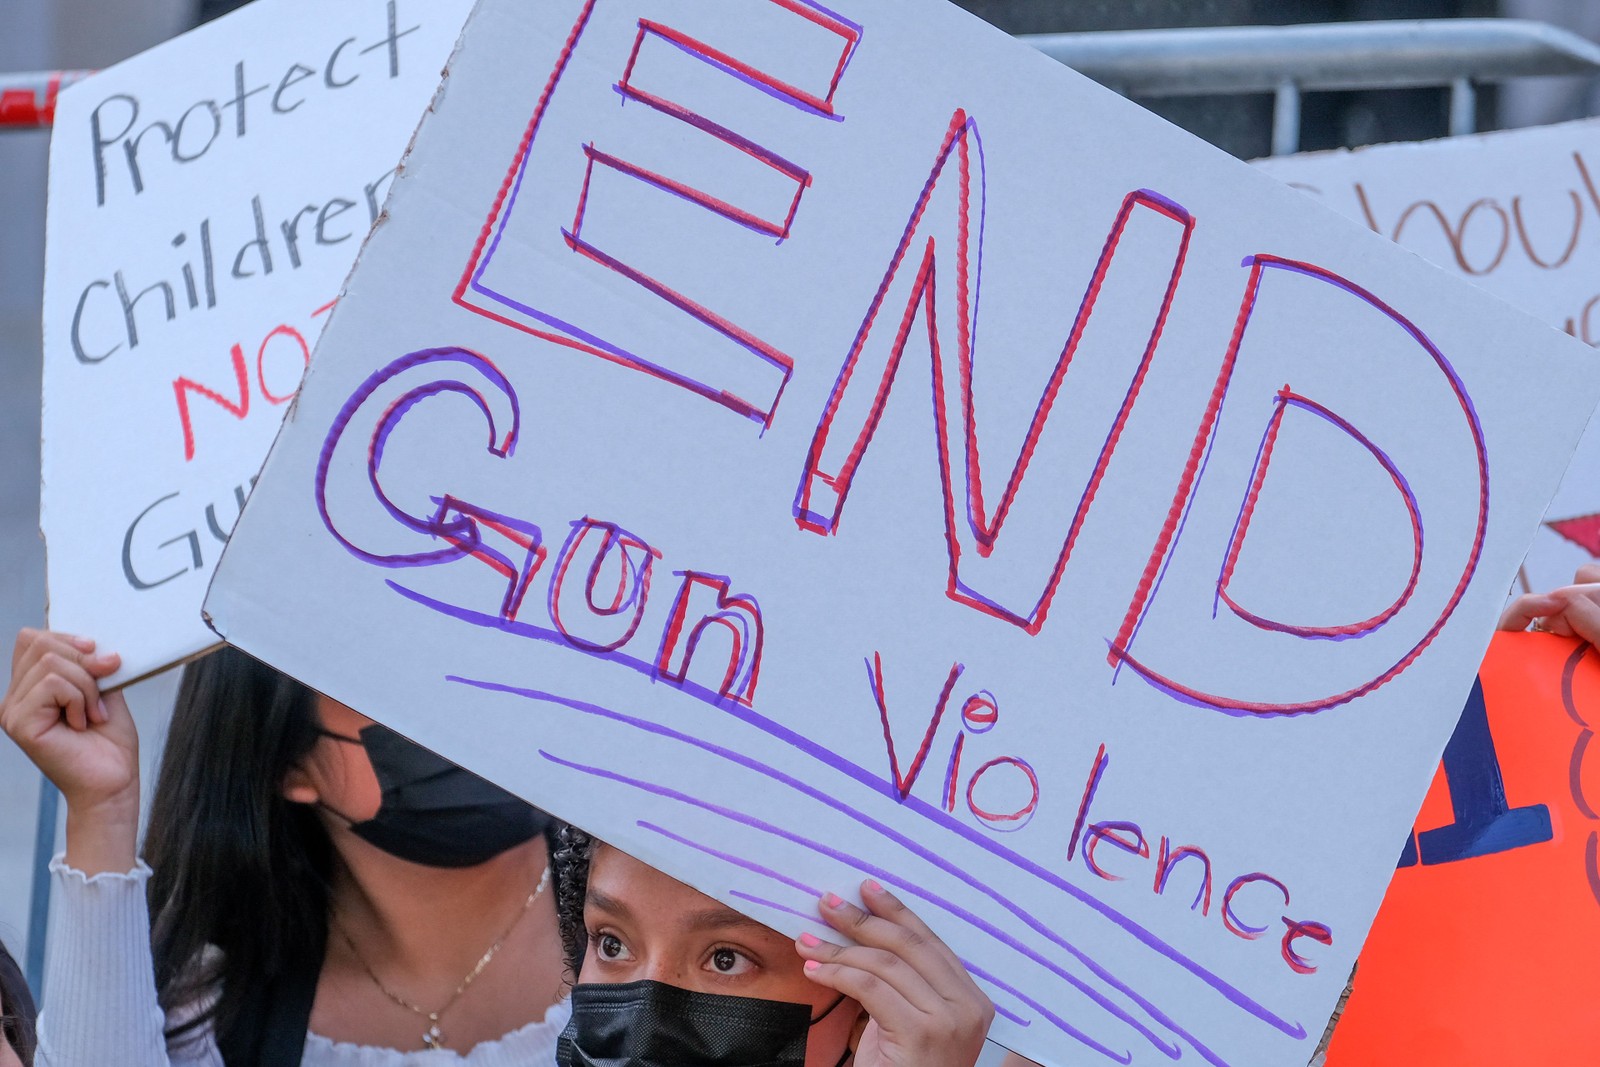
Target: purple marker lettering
x=1233 y=922
x=1112 y=832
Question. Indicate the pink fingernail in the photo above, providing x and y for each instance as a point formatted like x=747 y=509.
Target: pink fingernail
x=810 y=940
x=833 y=900
x=812 y=965
x=874 y=887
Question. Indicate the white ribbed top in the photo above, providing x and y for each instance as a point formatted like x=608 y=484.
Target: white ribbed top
x=100 y=998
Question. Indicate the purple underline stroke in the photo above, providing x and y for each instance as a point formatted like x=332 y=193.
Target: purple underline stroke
x=754 y=823
x=810 y=917
x=977 y=972
x=932 y=814
x=775 y=906
x=1055 y=1020
x=727 y=857
x=1238 y=998
x=555 y=637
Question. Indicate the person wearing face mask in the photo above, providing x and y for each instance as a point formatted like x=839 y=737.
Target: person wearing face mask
x=667 y=976
x=320 y=892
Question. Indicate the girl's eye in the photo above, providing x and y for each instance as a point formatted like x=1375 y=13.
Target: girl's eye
x=729 y=961
x=610 y=946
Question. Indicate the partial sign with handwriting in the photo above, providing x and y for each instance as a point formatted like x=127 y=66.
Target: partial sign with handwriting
x=1510 y=211
x=207 y=199
x=1499 y=890
x=801 y=444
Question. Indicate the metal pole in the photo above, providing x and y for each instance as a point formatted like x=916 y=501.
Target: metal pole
x=44 y=846
x=1286 y=119
x=1463 y=107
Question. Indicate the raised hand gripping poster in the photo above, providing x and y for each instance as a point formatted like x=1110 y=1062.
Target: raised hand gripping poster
x=808 y=443
x=207 y=199
x=1508 y=210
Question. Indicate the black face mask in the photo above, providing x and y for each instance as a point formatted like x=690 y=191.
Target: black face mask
x=434 y=812
x=649 y=1024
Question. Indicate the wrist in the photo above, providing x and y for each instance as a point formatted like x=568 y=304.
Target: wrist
x=103 y=835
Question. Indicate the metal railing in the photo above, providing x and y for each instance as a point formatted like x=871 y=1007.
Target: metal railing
x=1283 y=60
x=1290 y=60
x=28 y=101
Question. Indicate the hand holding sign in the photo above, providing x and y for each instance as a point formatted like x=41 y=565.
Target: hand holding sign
x=1571 y=611
x=84 y=743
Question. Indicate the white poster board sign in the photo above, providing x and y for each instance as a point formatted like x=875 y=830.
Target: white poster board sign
x=1515 y=212
x=640 y=470
x=207 y=199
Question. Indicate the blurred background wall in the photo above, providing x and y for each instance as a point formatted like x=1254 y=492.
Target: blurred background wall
x=56 y=34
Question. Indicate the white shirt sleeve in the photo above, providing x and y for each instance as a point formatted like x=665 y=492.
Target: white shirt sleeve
x=100 y=1004
x=101 y=1009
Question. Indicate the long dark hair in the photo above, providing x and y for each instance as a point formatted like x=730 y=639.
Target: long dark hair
x=237 y=866
x=16 y=1010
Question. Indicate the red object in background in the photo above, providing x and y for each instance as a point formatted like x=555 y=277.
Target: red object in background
x=1493 y=959
x=1583 y=531
x=28 y=101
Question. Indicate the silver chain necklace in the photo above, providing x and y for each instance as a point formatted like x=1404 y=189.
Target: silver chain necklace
x=434 y=1037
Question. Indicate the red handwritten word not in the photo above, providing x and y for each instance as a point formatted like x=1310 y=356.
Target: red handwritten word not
x=239 y=404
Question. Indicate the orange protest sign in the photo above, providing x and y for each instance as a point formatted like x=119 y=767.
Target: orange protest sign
x=1484 y=952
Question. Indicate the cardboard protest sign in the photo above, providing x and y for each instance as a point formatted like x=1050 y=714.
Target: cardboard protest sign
x=207 y=199
x=1481 y=954
x=1509 y=211
x=639 y=469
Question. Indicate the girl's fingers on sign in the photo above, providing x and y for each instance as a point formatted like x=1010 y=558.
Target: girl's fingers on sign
x=1570 y=611
x=924 y=1007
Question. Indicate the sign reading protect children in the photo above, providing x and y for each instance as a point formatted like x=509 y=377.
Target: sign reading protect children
x=207 y=199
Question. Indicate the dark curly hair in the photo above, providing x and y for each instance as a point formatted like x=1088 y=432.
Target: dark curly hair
x=574 y=849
